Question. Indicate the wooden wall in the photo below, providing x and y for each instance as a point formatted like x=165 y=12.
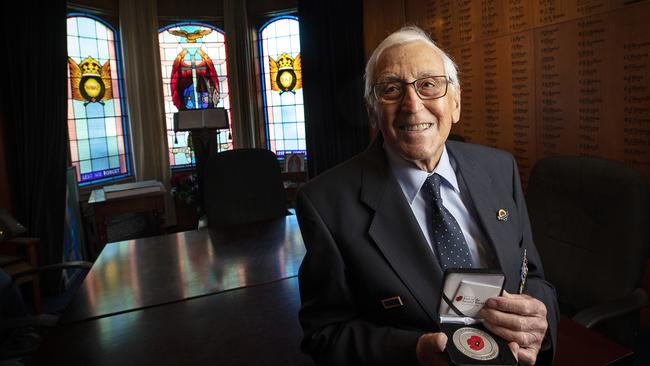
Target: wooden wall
x=542 y=77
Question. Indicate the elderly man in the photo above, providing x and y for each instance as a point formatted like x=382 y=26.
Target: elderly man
x=370 y=281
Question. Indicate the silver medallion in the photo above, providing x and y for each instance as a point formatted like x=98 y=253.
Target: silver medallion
x=475 y=343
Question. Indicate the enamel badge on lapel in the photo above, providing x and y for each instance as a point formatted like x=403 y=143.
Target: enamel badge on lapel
x=502 y=215
x=392 y=302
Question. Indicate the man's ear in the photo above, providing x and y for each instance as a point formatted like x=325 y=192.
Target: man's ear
x=455 y=114
x=372 y=114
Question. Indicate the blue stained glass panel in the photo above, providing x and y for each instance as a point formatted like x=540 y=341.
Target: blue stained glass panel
x=275 y=99
x=82 y=129
x=294 y=28
x=284 y=112
x=101 y=31
x=84 y=149
x=283 y=43
x=109 y=125
x=102 y=52
x=295 y=44
x=279 y=145
x=97 y=156
x=114 y=162
x=290 y=131
x=86 y=27
x=300 y=113
x=73 y=47
x=72 y=26
x=85 y=166
x=100 y=164
x=78 y=109
x=291 y=145
x=277 y=114
x=111 y=144
x=279 y=133
x=98 y=148
x=109 y=108
x=288 y=98
x=288 y=113
x=87 y=47
x=94 y=110
x=96 y=128
x=272 y=48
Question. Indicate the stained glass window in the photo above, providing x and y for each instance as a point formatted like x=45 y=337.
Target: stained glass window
x=97 y=120
x=282 y=85
x=195 y=76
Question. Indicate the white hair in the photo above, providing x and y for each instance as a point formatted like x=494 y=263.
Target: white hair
x=405 y=35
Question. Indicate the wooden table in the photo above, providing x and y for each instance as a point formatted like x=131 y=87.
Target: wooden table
x=194 y=298
x=229 y=297
x=135 y=274
x=578 y=345
x=255 y=325
x=153 y=202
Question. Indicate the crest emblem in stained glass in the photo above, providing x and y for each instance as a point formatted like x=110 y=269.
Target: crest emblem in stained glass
x=90 y=81
x=286 y=73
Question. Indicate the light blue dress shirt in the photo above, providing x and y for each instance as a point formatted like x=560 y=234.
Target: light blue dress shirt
x=456 y=200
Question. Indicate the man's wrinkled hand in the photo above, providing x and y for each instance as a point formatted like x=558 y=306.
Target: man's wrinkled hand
x=520 y=320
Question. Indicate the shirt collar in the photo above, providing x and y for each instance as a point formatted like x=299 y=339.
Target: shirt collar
x=411 y=178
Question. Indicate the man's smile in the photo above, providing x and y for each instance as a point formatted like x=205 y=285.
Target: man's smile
x=415 y=128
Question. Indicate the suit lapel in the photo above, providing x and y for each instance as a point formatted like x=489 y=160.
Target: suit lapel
x=397 y=233
x=487 y=200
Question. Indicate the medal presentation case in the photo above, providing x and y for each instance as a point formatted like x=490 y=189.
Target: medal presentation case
x=463 y=295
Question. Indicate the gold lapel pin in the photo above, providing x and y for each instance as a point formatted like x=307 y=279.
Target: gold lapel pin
x=502 y=215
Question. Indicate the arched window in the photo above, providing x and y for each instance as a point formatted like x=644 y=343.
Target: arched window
x=279 y=42
x=195 y=76
x=97 y=120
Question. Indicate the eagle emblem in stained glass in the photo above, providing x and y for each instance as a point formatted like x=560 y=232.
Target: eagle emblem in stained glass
x=286 y=73
x=194 y=81
x=90 y=81
x=195 y=76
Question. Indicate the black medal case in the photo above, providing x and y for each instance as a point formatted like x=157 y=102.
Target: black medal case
x=463 y=294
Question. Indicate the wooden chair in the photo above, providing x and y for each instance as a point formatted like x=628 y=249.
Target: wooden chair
x=12 y=262
x=19 y=254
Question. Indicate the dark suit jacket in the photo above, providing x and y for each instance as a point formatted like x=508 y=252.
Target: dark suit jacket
x=364 y=245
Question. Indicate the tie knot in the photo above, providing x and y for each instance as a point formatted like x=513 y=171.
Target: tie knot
x=433 y=182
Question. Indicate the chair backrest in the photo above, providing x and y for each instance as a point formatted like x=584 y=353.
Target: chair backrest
x=591 y=224
x=243 y=185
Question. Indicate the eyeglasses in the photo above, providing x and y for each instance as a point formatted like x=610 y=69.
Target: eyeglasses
x=430 y=87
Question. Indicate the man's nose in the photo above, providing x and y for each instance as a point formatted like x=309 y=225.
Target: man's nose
x=411 y=102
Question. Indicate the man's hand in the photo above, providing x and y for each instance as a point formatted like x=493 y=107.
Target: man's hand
x=520 y=320
x=430 y=348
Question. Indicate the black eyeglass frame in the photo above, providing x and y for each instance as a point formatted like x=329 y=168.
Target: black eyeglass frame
x=412 y=83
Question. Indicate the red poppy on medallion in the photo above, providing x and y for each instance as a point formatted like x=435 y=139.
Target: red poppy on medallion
x=476 y=343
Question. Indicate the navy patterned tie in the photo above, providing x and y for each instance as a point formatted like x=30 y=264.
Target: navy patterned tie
x=447 y=239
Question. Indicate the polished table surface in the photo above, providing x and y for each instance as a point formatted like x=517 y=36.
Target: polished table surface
x=255 y=325
x=578 y=345
x=204 y=297
x=135 y=274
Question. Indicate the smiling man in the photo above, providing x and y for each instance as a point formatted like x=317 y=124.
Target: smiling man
x=381 y=228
